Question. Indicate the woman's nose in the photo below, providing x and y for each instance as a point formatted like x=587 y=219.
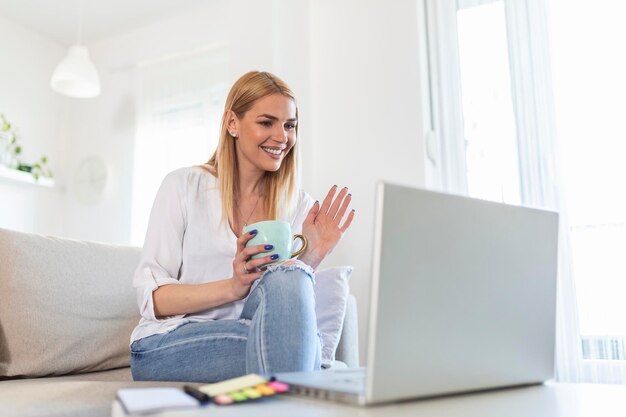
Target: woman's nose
x=281 y=135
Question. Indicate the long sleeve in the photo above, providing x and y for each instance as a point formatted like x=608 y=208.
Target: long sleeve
x=162 y=254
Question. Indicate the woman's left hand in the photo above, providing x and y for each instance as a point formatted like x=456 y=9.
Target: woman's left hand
x=323 y=226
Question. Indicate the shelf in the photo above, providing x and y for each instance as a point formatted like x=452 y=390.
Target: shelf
x=24 y=177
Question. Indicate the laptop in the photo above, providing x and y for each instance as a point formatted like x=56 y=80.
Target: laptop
x=463 y=299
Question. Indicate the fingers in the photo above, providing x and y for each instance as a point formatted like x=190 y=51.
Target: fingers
x=244 y=238
x=245 y=269
x=343 y=208
x=244 y=275
x=250 y=270
x=244 y=258
x=332 y=212
x=328 y=200
x=250 y=251
x=348 y=221
x=257 y=263
x=310 y=218
x=251 y=276
x=335 y=208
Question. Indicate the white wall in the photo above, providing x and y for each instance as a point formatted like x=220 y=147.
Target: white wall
x=42 y=121
x=367 y=122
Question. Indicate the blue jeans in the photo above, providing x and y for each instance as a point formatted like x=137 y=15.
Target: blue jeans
x=276 y=332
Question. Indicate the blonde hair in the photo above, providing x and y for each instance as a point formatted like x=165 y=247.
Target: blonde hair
x=280 y=188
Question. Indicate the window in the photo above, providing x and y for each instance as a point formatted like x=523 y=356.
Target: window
x=488 y=115
x=540 y=104
x=180 y=109
x=589 y=88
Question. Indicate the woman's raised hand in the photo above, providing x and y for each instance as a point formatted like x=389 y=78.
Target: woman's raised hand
x=324 y=226
x=246 y=270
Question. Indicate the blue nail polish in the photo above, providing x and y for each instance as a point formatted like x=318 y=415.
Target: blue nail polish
x=269 y=247
x=275 y=256
x=253 y=232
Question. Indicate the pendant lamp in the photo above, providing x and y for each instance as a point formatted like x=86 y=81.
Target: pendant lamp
x=76 y=76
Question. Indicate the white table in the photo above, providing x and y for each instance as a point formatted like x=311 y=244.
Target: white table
x=549 y=400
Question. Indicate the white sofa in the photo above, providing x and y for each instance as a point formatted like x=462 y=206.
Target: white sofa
x=67 y=309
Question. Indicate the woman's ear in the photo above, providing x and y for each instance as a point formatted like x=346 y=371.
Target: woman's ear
x=233 y=123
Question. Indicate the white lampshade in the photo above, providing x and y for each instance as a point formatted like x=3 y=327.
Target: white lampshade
x=76 y=76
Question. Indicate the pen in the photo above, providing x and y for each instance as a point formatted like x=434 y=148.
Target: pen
x=197 y=394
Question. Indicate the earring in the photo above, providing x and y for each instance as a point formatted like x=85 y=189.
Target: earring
x=233 y=134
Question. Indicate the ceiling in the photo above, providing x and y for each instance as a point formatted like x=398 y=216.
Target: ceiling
x=58 y=19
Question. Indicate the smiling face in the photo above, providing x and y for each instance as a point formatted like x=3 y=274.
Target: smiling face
x=265 y=134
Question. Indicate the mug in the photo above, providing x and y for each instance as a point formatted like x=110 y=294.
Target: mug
x=277 y=233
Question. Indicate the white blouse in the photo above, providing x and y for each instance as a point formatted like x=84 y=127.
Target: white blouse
x=187 y=243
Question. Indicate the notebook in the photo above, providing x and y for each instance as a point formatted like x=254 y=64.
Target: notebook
x=150 y=400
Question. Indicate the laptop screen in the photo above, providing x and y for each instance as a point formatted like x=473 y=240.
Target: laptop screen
x=463 y=295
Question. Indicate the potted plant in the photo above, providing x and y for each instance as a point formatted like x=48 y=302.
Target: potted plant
x=10 y=148
x=10 y=151
x=41 y=169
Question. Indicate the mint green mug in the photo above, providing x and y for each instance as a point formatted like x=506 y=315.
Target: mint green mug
x=278 y=234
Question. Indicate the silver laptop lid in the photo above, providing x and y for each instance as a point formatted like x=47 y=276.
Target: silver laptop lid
x=463 y=295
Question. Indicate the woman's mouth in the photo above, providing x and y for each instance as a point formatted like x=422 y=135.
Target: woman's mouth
x=274 y=152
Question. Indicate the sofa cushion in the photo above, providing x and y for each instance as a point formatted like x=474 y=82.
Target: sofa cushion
x=331 y=294
x=66 y=306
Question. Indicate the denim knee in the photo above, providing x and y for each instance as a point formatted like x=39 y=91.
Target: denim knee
x=296 y=280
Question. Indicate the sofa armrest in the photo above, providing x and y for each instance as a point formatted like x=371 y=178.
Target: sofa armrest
x=348 y=348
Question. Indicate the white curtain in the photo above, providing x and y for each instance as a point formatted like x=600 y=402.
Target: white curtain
x=181 y=99
x=539 y=164
x=540 y=167
x=589 y=86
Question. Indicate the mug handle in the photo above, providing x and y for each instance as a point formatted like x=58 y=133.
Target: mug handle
x=304 y=245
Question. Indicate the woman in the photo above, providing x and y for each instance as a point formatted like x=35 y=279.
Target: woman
x=202 y=318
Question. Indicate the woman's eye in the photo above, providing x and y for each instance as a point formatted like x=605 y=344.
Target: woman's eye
x=265 y=123
x=290 y=126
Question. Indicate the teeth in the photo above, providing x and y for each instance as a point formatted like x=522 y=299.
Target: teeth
x=272 y=151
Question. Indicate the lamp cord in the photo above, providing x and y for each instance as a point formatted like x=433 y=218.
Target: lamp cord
x=79 y=35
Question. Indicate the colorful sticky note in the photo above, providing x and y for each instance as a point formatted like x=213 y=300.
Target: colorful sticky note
x=234 y=384
x=265 y=390
x=238 y=396
x=223 y=399
x=278 y=386
x=252 y=393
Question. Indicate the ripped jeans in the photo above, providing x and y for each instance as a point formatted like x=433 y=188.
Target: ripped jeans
x=276 y=332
